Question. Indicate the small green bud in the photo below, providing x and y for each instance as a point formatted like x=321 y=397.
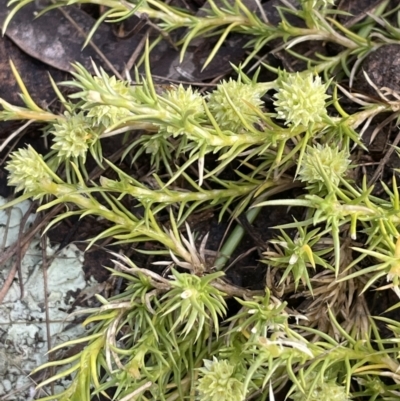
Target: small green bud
x=300 y=99
x=323 y=390
x=244 y=97
x=184 y=109
x=320 y=3
x=73 y=136
x=106 y=115
x=323 y=158
x=219 y=382
x=112 y=85
x=188 y=102
x=28 y=170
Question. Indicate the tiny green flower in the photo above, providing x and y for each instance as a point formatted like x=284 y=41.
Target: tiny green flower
x=73 y=135
x=261 y=316
x=188 y=101
x=185 y=109
x=28 y=170
x=219 y=382
x=300 y=99
x=296 y=255
x=394 y=272
x=321 y=162
x=374 y=385
x=106 y=115
x=233 y=101
x=319 y=3
x=112 y=84
x=195 y=301
x=327 y=390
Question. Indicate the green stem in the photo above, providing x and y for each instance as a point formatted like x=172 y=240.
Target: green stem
x=66 y=194
x=234 y=239
x=173 y=196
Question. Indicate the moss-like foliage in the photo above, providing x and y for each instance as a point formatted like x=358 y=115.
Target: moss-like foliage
x=172 y=336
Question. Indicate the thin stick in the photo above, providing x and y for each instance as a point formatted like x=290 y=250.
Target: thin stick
x=43 y=241
x=11 y=274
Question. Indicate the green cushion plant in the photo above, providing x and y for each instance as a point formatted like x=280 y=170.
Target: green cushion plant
x=174 y=338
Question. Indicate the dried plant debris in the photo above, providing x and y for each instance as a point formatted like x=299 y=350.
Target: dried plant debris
x=60 y=44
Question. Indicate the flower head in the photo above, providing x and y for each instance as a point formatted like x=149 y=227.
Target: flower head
x=73 y=135
x=296 y=255
x=28 y=171
x=195 y=300
x=319 y=3
x=219 y=382
x=187 y=100
x=233 y=101
x=185 y=109
x=262 y=315
x=325 y=389
x=394 y=272
x=104 y=97
x=323 y=159
x=300 y=99
x=107 y=115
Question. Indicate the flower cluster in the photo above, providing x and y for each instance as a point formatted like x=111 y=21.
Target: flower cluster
x=219 y=382
x=317 y=4
x=321 y=3
x=322 y=161
x=394 y=272
x=186 y=101
x=73 y=135
x=324 y=389
x=28 y=171
x=184 y=105
x=234 y=101
x=261 y=315
x=300 y=99
x=106 y=115
x=295 y=255
x=196 y=301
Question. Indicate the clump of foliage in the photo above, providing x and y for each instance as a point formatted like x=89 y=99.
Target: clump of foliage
x=173 y=337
